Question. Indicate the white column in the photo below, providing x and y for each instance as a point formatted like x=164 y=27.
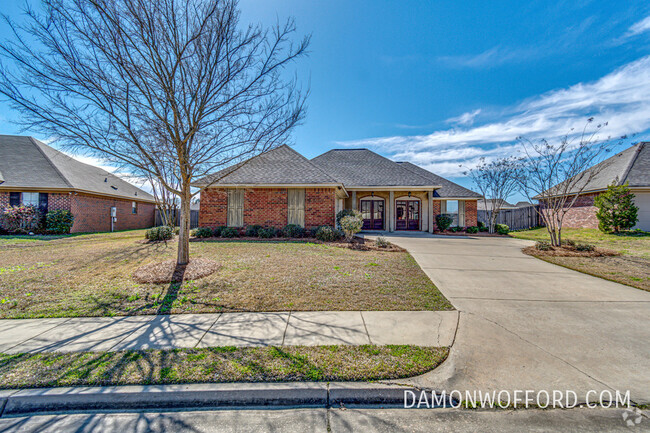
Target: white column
x=430 y=207
x=354 y=200
x=391 y=211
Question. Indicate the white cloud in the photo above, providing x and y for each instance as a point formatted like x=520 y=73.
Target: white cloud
x=639 y=27
x=621 y=98
x=465 y=119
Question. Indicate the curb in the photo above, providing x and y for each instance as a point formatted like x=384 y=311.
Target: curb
x=134 y=397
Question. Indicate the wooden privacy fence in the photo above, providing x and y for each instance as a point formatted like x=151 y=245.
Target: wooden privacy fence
x=517 y=219
x=176 y=216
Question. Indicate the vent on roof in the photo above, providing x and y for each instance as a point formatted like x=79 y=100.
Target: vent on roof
x=114 y=187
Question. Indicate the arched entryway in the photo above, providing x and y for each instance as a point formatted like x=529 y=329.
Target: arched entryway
x=408 y=212
x=372 y=212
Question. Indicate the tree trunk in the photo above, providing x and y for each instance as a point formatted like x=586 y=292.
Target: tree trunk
x=184 y=232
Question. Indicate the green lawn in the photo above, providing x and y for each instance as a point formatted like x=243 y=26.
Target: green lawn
x=90 y=275
x=632 y=267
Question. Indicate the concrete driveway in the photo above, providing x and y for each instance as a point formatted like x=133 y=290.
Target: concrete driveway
x=527 y=324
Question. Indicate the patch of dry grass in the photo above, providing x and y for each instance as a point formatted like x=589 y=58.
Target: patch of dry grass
x=168 y=271
x=91 y=275
x=218 y=364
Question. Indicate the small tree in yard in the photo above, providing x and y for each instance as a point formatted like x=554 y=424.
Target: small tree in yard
x=497 y=180
x=172 y=90
x=557 y=174
x=616 y=209
x=351 y=225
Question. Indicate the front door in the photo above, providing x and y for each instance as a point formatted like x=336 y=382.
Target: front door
x=372 y=212
x=407 y=215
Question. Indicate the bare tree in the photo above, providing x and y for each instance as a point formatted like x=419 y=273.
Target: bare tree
x=497 y=180
x=558 y=174
x=154 y=84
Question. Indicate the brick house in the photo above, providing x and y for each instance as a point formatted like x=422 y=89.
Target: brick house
x=34 y=173
x=631 y=166
x=281 y=187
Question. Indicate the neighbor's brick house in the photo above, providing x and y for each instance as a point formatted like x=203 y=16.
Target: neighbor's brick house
x=32 y=172
x=631 y=166
x=281 y=187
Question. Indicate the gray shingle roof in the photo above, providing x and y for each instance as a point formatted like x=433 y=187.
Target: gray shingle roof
x=28 y=163
x=449 y=188
x=280 y=166
x=362 y=167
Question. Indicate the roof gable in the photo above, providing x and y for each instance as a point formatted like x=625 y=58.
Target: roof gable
x=447 y=189
x=279 y=166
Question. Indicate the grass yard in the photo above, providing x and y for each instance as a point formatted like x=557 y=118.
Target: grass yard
x=218 y=364
x=632 y=267
x=90 y=275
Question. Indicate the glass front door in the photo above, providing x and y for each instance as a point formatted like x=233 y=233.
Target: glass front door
x=372 y=212
x=407 y=215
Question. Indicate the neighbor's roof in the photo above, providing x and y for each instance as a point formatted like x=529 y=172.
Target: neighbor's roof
x=364 y=168
x=490 y=203
x=448 y=188
x=28 y=163
x=630 y=166
x=279 y=166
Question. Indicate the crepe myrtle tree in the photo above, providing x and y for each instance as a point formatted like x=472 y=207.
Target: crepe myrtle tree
x=559 y=172
x=496 y=179
x=167 y=89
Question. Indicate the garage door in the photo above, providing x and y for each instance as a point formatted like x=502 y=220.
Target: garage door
x=642 y=201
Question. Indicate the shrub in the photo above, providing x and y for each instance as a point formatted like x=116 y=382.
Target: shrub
x=480 y=224
x=443 y=221
x=472 y=230
x=157 y=234
x=328 y=234
x=616 y=209
x=543 y=246
x=266 y=233
x=229 y=232
x=346 y=212
x=455 y=229
x=502 y=229
x=293 y=231
x=216 y=232
x=483 y=229
x=351 y=225
x=203 y=232
x=585 y=247
x=252 y=231
x=59 y=221
x=382 y=242
x=569 y=243
x=20 y=219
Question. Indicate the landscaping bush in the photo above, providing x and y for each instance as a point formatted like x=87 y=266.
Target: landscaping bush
x=20 y=219
x=382 y=242
x=543 y=246
x=346 y=212
x=443 y=221
x=616 y=209
x=483 y=229
x=472 y=229
x=203 y=232
x=266 y=233
x=455 y=229
x=229 y=232
x=59 y=221
x=502 y=229
x=217 y=231
x=351 y=225
x=157 y=234
x=293 y=231
x=328 y=234
x=569 y=243
x=480 y=224
x=252 y=231
x=585 y=247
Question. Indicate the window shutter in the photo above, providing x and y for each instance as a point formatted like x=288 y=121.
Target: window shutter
x=14 y=199
x=235 y=207
x=296 y=207
x=43 y=201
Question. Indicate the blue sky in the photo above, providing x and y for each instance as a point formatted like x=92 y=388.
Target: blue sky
x=443 y=83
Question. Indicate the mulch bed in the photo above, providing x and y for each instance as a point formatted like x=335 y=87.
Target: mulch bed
x=358 y=244
x=479 y=234
x=168 y=271
x=569 y=252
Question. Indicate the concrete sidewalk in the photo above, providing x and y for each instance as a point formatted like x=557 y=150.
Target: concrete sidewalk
x=422 y=328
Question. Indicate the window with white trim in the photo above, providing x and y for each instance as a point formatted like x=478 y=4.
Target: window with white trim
x=30 y=199
x=134 y=207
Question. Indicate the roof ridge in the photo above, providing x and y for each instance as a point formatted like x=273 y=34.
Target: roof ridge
x=65 y=179
x=639 y=147
x=309 y=162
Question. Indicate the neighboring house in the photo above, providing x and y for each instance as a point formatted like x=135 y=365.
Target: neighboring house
x=34 y=173
x=631 y=166
x=489 y=204
x=283 y=187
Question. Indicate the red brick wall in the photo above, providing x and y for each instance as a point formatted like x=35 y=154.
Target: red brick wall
x=58 y=200
x=319 y=207
x=471 y=215
x=4 y=200
x=213 y=211
x=436 y=212
x=582 y=214
x=267 y=207
x=92 y=214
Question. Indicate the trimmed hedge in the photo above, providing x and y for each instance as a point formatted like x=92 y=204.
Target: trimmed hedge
x=59 y=221
x=293 y=231
x=157 y=234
